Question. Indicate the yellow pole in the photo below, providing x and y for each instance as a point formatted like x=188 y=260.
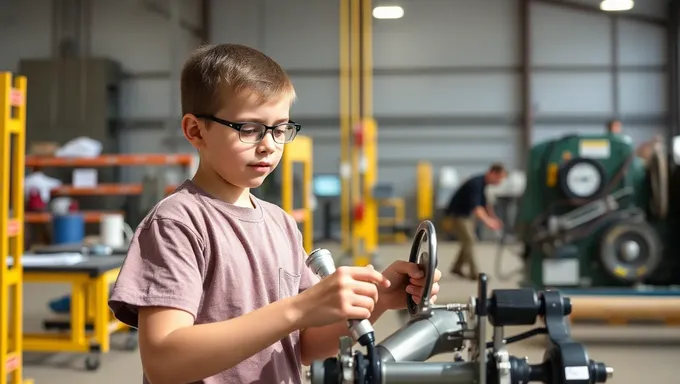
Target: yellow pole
x=5 y=121
x=425 y=191
x=367 y=57
x=355 y=118
x=370 y=133
x=287 y=179
x=308 y=172
x=17 y=243
x=12 y=98
x=345 y=127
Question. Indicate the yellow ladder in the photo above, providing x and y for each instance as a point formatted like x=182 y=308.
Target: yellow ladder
x=12 y=148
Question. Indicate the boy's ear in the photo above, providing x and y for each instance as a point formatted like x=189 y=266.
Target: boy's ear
x=191 y=127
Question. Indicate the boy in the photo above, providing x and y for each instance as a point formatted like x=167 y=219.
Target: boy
x=215 y=278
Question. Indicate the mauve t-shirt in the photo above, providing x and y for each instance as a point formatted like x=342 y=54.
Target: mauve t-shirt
x=217 y=261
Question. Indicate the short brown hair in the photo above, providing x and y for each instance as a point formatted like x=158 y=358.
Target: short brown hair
x=497 y=168
x=213 y=73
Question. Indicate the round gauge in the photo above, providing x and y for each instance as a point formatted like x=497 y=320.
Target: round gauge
x=583 y=180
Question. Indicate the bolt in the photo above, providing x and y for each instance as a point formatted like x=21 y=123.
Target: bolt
x=610 y=372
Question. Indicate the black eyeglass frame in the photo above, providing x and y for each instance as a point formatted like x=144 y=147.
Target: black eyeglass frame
x=239 y=126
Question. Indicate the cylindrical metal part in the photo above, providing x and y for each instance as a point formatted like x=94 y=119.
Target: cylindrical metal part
x=428 y=373
x=509 y=307
x=321 y=262
x=423 y=338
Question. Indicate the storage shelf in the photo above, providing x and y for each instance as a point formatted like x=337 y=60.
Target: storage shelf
x=45 y=217
x=110 y=160
x=103 y=190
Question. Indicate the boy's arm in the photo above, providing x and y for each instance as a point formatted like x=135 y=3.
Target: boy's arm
x=174 y=350
x=159 y=289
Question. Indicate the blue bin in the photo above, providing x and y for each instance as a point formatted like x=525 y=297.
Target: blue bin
x=68 y=229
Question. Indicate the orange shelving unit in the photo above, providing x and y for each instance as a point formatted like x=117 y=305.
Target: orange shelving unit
x=45 y=217
x=110 y=160
x=103 y=190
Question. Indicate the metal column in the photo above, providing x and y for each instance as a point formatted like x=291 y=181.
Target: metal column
x=527 y=108
x=673 y=69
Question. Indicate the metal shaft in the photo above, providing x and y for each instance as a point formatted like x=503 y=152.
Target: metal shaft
x=428 y=373
x=321 y=262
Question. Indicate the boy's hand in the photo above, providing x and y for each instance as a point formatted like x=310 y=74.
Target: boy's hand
x=405 y=277
x=349 y=293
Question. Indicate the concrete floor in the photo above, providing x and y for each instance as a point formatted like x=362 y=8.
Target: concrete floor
x=638 y=354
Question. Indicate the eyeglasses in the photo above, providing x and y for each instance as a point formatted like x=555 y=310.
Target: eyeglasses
x=253 y=133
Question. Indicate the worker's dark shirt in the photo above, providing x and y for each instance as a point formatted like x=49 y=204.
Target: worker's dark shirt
x=469 y=196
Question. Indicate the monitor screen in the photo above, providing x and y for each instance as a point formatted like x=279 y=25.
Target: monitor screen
x=327 y=185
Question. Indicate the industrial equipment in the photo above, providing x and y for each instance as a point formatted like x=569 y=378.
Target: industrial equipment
x=435 y=329
x=595 y=214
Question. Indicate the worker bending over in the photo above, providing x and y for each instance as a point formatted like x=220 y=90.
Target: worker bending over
x=467 y=205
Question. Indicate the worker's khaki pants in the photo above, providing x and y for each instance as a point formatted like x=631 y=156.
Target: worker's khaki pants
x=464 y=230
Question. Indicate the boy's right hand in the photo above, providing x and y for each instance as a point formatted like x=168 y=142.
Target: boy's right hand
x=349 y=293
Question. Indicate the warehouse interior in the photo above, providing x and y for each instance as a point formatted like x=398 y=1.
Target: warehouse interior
x=401 y=103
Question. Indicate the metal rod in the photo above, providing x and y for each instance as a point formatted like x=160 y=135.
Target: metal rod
x=175 y=64
x=527 y=109
x=673 y=122
x=616 y=97
x=445 y=70
x=345 y=167
x=205 y=22
x=430 y=373
x=594 y=9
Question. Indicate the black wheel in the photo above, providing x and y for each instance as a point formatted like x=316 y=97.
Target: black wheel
x=92 y=362
x=427 y=260
x=630 y=252
x=131 y=342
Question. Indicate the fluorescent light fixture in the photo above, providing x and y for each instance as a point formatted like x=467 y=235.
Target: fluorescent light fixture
x=388 y=12
x=616 y=5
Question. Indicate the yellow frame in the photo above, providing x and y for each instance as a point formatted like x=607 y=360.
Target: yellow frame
x=365 y=231
x=12 y=228
x=399 y=216
x=299 y=151
x=425 y=191
x=89 y=304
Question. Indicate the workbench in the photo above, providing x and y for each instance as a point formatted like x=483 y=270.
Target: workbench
x=91 y=323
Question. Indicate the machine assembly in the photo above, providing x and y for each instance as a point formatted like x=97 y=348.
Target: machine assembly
x=596 y=214
x=435 y=329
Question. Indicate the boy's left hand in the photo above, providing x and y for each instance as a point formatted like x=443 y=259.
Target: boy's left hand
x=405 y=277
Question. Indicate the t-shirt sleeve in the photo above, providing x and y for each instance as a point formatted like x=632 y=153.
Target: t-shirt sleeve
x=307 y=277
x=163 y=268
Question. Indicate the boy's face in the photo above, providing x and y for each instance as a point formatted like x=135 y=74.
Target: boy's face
x=244 y=165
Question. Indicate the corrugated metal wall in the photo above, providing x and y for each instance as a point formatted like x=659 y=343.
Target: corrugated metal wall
x=447 y=78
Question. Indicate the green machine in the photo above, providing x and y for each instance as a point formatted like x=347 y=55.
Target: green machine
x=594 y=214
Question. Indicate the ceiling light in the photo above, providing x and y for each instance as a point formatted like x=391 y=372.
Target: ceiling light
x=616 y=5
x=388 y=12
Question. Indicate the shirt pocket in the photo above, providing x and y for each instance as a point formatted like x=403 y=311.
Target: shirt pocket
x=289 y=283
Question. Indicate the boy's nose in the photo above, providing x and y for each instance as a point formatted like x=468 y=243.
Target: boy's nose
x=267 y=143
